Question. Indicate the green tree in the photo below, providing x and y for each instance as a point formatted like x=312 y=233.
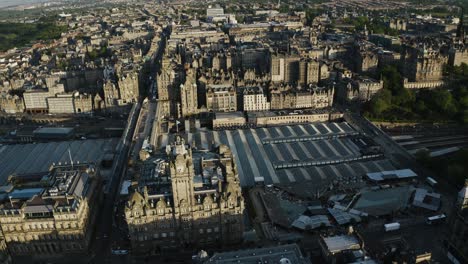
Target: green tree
x=381 y=102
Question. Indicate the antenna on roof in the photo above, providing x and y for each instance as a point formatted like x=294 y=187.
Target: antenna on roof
x=71 y=160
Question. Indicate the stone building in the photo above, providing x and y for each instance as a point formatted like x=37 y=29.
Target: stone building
x=128 y=84
x=36 y=100
x=284 y=68
x=458 y=227
x=360 y=89
x=163 y=82
x=422 y=63
x=254 y=99
x=5 y=257
x=87 y=103
x=187 y=199
x=366 y=61
x=312 y=71
x=11 y=104
x=188 y=95
x=111 y=94
x=168 y=82
x=458 y=54
x=398 y=24
x=61 y=104
x=221 y=98
x=51 y=214
x=310 y=97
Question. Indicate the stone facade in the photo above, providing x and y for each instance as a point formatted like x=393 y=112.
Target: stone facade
x=310 y=97
x=362 y=89
x=36 y=101
x=254 y=99
x=188 y=95
x=285 y=68
x=423 y=63
x=194 y=199
x=221 y=98
x=11 y=104
x=458 y=55
x=129 y=86
x=54 y=215
x=312 y=71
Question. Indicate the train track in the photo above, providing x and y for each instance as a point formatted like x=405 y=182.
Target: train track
x=436 y=144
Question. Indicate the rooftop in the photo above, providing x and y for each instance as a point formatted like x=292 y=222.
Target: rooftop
x=279 y=254
x=391 y=175
x=336 y=244
x=33 y=158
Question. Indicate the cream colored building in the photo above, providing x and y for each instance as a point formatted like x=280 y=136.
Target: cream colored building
x=11 y=104
x=274 y=118
x=61 y=104
x=221 y=98
x=188 y=95
x=36 y=101
x=229 y=120
x=423 y=63
x=255 y=99
x=310 y=97
x=51 y=214
x=187 y=200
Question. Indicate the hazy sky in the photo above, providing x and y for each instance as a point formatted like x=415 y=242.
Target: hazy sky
x=4 y=3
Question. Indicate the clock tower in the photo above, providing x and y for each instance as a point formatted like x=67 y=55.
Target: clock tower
x=182 y=172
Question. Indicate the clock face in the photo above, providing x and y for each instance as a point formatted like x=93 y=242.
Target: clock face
x=180 y=169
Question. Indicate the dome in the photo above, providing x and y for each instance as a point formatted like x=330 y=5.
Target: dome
x=285 y=261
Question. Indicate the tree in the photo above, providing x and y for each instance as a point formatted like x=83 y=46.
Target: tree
x=464 y=117
x=311 y=14
x=444 y=103
x=284 y=9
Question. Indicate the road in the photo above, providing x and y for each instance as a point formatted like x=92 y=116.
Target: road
x=104 y=226
x=110 y=229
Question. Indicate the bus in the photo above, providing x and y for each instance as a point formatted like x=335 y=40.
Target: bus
x=436 y=219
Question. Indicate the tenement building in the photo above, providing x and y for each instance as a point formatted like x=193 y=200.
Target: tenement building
x=186 y=199
x=221 y=98
x=423 y=63
x=50 y=214
x=311 y=96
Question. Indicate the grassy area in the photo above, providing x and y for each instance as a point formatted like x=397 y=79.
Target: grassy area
x=21 y=34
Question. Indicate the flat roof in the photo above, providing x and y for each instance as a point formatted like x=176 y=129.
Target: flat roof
x=425 y=199
x=246 y=143
x=384 y=201
x=276 y=254
x=305 y=222
x=124 y=189
x=391 y=175
x=25 y=193
x=224 y=115
x=32 y=158
x=337 y=244
x=54 y=130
